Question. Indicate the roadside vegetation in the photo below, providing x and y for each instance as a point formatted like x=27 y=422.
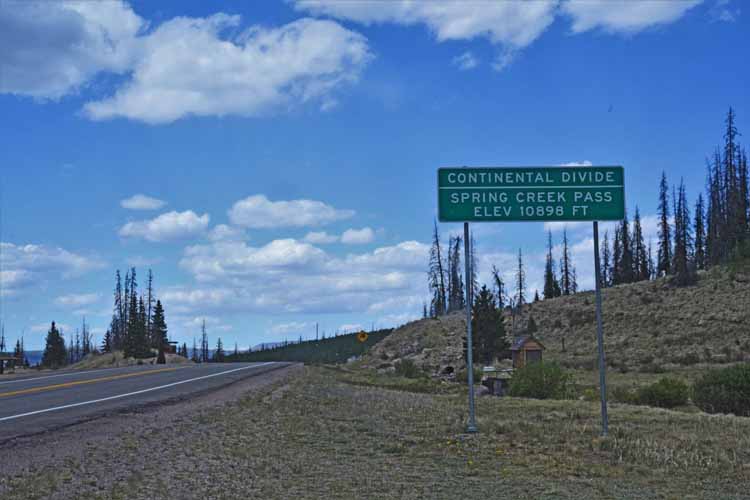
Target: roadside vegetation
x=340 y=433
x=331 y=350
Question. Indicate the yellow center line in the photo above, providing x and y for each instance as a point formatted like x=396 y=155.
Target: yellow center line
x=82 y=382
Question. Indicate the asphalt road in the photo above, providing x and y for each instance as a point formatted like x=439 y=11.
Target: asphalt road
x=50 y=400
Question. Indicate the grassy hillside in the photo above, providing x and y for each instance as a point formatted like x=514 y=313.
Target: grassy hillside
x=649 y=326
x=331 y=350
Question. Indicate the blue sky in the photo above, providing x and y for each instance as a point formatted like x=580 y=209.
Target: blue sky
x=274 y=163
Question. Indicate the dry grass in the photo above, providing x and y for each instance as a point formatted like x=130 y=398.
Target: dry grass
x=337 y=434
x=649 y=327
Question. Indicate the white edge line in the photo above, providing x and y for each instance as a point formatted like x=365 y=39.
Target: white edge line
x=109 y=398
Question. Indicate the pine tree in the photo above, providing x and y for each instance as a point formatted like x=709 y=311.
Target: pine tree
x=682 y=268
x=625 y=272
x=700 y=234
x=616 y=257
x=204 y=343
x=606 y=267
x=499 y=288
x=664 y=265
x=536 y=296
x=55 y=355
x=150 y=299
x=2 y=338
x=107 y=341
x=520 y=282
x=455 y=277
x=219 y=352
x=715 y=244
x=651 y=263
x=565 y=267
x=489 y=328
x=437 y=275
x=640 y=253
x=551 y=286
x=160 y=338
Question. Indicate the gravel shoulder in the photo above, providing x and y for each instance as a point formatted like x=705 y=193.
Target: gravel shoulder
x=333 y=433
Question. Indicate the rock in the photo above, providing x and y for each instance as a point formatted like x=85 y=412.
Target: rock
x=481 y=391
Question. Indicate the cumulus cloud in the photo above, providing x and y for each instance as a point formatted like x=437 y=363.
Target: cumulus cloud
x=169 y=226
x=77 y=299
x=465 y=61
x=289 y=276
x=258 y=212
x=223 y=232
x=320 y=238
x=188 y=67
x=52 y=49
x=210 y=66
x=292 y=327
x=511 y=26
x=142 y=202
x=358 y=236
x=26 y=265
x=44 y=327
x=624 y=16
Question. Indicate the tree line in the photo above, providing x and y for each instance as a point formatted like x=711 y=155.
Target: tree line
x=712 y=231
x=138 y=323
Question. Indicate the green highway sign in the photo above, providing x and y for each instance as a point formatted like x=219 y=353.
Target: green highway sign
x=500 y=194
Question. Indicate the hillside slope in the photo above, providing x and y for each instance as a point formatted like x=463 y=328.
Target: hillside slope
x=647 y=326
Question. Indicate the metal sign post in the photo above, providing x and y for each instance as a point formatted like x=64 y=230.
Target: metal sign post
x=472 y=427
x=600 y=331
x=525 y=194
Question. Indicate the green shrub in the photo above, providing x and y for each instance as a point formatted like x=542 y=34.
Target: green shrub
x=666 y=393
x=540 y=381
x=726 y=390
x=462 y=375
x=407 y=368
x=621 y=394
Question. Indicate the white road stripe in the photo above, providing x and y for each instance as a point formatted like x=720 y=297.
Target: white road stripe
x=66 y=374
x=93 y=401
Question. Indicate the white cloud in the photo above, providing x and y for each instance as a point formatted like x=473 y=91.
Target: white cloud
x=293 y=327
x=187 y=67
x=510 y=25
x=624 y=16
x=26 y=265
x=77 y=299
x=51 y=49
x=208 y=66
x=222 y=259
x=259 y=212
x=142 y=202
x=584 y=163
x=358 y=236
x=44 y=327
x=465 y=61
x=350 y=327
x=222 y=232
x=320 y=237
x=168 y=226
x=289 y=276
x=556 y=227
x=723 y=11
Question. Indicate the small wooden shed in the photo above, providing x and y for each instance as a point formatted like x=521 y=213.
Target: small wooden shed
x=526 y=350
x=10 y=359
